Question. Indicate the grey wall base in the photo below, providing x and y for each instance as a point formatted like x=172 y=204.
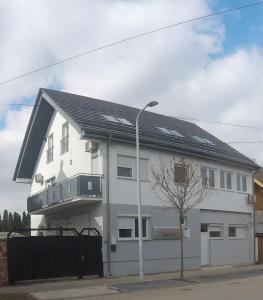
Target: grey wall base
x=152 y=266
x=229 y=251
x=159 y=255
x=164 y=255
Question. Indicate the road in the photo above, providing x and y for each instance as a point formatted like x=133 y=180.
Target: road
x=238 y=289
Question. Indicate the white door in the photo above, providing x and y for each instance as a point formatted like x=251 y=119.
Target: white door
x=204 y=248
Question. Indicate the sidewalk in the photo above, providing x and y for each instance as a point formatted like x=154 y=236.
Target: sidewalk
x=63 y=289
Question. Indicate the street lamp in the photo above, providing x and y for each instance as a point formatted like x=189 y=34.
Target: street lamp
x=150 y=104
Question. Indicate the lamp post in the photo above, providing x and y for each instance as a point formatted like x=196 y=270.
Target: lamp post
x=150 y=104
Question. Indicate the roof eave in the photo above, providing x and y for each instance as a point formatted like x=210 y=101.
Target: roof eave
x=24 y=144
x=148 y=142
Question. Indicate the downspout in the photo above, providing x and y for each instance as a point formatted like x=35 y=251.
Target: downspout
x=254 y=214
x=108 y=207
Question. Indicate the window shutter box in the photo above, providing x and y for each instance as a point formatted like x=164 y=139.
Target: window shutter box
x=126 y=223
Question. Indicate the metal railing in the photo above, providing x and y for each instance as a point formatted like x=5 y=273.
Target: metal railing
x=79 y=186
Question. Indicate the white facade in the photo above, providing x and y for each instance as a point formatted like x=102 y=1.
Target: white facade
x=224 y=207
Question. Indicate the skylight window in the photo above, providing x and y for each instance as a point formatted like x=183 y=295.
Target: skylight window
x=170 y=131
x=123 y=121
x=117 y=120
x=202 y=140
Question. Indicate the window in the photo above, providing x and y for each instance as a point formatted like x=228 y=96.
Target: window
x=126 y=167
x=180 y=173
x=118 y=120
x=125 y=233
x=226 y=180
x=208 y=177
x=65 y=138
x=232 y=231
x=215 y=231
x=124 y=121
x=50 y=148
x=94 y=163
x=237 y=231
x=241 y=183
x=215 y=234
x=144 y=227
x=204 y=227
x=202 y=140
x=124 y=172
x=170 y=131
x=128 y=227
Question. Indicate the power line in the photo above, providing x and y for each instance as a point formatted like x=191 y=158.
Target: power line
x=132 y=37
x=185 y=118
x=17 y=104
x=243 y=142
x=220 y=123
x=178 y=117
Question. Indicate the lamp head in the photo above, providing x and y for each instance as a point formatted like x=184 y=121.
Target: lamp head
x=152 y=103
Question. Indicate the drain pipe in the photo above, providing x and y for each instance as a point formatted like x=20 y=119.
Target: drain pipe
x=108 y=207
x=254 y=216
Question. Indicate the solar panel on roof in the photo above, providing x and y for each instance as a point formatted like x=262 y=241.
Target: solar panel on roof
x=170 y=131
x=117 y=120
x=124 y=121
x=202 y=140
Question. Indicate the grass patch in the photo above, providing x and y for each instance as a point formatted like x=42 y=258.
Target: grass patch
x=16 y=296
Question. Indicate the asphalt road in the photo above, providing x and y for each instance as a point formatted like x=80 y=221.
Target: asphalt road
x=250 y=288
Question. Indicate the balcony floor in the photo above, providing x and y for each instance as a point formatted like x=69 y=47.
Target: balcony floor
x=77 y=202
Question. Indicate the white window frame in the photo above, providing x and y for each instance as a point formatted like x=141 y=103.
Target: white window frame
x=238 y=237
x=225 y=180
x=215 y=226
x=50 y=148
x=133 y=237
x=133 y=167
x=64 y=143
x=126 y=177
x=207 y=170
x=241 y=176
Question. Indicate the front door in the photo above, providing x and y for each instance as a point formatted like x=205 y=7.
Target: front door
x=204 y=248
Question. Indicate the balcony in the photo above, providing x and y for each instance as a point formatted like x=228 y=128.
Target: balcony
x=85 y=187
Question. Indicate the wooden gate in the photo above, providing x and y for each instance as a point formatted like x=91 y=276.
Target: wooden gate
x=260 y=249
x=51 y=256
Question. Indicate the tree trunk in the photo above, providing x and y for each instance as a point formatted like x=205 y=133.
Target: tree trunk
x=182 y=250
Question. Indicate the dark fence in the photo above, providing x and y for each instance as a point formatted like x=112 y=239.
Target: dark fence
x=44 y=257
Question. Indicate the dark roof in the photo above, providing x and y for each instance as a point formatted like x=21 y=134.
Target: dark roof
x=87 y=114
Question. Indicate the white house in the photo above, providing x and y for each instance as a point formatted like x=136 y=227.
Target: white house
x=78 y=156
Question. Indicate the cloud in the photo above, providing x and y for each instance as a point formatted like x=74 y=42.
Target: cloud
x=13 y=196
x=177 y=67
x=229 y=90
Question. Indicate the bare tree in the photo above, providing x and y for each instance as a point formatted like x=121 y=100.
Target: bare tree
x=182 y=186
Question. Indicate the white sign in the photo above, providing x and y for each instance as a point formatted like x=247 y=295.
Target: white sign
x=166 y=233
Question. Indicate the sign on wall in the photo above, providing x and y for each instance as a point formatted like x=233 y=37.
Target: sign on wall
x=169 y=233
x=166 y=233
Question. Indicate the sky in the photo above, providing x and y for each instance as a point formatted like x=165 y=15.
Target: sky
x=210 y=69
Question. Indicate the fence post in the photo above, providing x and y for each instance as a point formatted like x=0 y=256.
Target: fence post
x=100 y=257
x=81 y=257
x=3 y=263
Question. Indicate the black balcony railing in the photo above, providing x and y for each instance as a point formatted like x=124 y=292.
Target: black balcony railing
x=80 y=186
